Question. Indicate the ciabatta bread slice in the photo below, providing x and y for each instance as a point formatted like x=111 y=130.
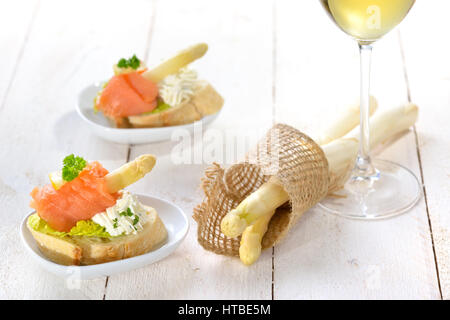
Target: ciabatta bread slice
x=81 y=250
x=205 y=101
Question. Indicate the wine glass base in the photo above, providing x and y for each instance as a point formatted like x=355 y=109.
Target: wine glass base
x=393 y=190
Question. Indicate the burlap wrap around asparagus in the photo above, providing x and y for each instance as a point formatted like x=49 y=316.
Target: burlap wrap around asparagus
x=285 y=153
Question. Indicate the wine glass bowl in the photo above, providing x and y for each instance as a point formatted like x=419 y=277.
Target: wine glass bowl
x=367 y=20
x=376 y=189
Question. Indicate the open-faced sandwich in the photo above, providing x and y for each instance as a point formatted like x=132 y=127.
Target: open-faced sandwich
x=167 y=95
x=85 y=217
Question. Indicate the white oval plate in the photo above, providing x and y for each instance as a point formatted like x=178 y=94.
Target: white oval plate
x=102 y=127
x=174 y=219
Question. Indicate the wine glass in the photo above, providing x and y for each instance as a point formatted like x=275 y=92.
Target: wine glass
x=376 y=188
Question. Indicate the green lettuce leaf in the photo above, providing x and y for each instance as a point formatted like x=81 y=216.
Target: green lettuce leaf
x=160 y=107
x=37 y=224
x=90 y=229
x=86 y=228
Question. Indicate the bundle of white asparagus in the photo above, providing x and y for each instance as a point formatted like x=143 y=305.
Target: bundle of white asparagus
x=340 y=142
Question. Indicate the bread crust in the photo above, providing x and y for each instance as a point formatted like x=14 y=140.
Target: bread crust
x=81 y=250
x=205 y=101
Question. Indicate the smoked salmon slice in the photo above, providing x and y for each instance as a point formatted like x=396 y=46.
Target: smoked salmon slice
x=128 y=94
x=146 y=89
x=79 y=199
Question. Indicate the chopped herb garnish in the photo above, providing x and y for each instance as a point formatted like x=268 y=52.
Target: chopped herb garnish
x=127 y=213
x=132 y=63
x=136 y=220
x=72 y=167
x=115 y=223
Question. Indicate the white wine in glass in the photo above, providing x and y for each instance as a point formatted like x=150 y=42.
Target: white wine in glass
x=367 y=20
x=376 y=188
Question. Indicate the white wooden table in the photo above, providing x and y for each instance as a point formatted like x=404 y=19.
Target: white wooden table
x=273 y=61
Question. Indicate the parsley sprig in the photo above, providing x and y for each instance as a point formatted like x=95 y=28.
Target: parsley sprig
x=132 y=63
x=126 y=213
x=129 y=213
x=72 y=167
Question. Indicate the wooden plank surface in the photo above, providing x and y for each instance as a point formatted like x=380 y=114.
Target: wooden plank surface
x=426 y=60
x=272 y=61
x=327 y=256
x=12 y=44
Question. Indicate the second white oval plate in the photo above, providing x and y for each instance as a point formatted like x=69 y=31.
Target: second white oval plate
x=104 y=129
x=174 y=219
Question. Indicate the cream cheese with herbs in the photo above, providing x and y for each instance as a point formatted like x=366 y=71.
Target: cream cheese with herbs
x=179 y=87
x=127 y=216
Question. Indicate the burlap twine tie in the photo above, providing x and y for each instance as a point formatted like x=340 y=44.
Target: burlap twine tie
x=290 y=156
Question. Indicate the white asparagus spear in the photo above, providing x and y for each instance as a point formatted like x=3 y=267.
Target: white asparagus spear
x=269 y=195
x=387 y=124
x=250 y=247
x=383 y=126
x=130 y=172
x=345 y=122
x=340 y=154
x=172 y=65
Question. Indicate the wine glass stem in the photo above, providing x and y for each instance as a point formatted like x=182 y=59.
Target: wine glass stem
x=363 y=167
